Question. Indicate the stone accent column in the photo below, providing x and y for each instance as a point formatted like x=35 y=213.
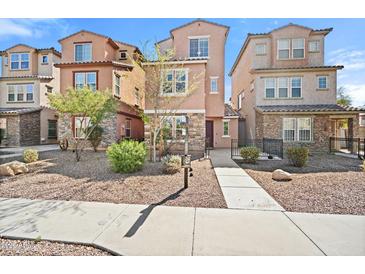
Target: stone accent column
x=30 y=128
x=13 y=134
x=109 y=126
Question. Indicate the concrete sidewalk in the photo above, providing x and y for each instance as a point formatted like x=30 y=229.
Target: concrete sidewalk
x=161 y=230
x=239 y=190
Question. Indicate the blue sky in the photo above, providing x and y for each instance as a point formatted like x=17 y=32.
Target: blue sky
x=344 y=46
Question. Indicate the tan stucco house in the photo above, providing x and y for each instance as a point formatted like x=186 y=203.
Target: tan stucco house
x=199 y=52
x=283 y=90
x=101 y=63
x=27 y=77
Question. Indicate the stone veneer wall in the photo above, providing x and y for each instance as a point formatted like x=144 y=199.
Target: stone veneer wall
x=196 y=136
x=30 y=128
x=271 y=126
x=13 y=134
x=109 y=126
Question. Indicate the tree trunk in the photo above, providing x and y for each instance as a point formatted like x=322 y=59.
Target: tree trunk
x=154 y=148
x=77 y=152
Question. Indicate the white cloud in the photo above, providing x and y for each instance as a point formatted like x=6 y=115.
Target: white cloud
x=351 y=59
x=357 y=93
x=31 y=27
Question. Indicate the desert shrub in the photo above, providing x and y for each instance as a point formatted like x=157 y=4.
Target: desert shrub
x=250 y=154
x=298 y=156
x=30 y=155
x=95 y=137
x=126 y=156
x=172 y=164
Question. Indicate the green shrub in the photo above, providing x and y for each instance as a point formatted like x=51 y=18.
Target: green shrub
x=298 y=156
x=30 y=155
x=172 y=164
x=250 y=154
x=95 y=137
x=127 y=156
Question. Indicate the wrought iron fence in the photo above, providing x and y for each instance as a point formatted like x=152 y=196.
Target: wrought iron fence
x=267 y=146
x=354 y=146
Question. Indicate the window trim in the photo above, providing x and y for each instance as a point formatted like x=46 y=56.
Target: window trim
x=130 y=128
x=85 y=71
x=74 y=125
x=239 y=99
x=287 y=87
x=174 y=93
x=52 y=137
x=6 y=61
x=174 y=127
x=25 y=93
x=296 y=130
x=6 y=126
x=362 y=120
x=124 y=51
x=199 y=37
x=265 y=49
x=223 y=123
x=278 y=49
x=283 y=129
x=83 y=43
x=20 y=61
x=291 y=87
x=292 y=49
x=117 y=84
x=327 y=84
x=265 y=87
x=310 y=130
x=212 y=78
x=44 y=63
x=314 y=41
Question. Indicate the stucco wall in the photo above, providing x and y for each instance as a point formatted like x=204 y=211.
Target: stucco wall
x=221 y=141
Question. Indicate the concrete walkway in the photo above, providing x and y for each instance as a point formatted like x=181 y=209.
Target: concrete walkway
x=16 y=153
x=239 y=190
x=160 y=230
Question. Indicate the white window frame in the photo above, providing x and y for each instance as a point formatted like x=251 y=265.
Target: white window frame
x=17 y=91
x=91 y=51
x=212 y=79
x=317 y=45
x=293 y=48
x=318 y=79
x=4 y=126
x=86 y=123
x=241 y=95
x=173 y=120
x=6 y=60
x=174 y=81
x=362 y=120
x=278 y=49
x=117 y=84
x=44 y=63
x=301 y=87
x=85 y=73
x=293 y=129
x=258 y=52
x=205 y=37
x=226 y=121
x=297 y=129
x=287 y=87
x=266 y=87
x=129 y=127
x=20 y=60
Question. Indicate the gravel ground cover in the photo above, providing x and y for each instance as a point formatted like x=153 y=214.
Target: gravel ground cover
x=328 y=184
x=45 y=248
x=59 y=177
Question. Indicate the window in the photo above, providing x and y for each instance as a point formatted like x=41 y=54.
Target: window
x=283 y=87
x=296 y=87
x=297 y=129
x=128 y=128
x=322 y=82
x=19 y=61
x=314 y=46
x=260 y=49
x=298 y=48
x=6 y=60
x=214 y=84
x=45 y=59
x=80 y=125
x=225 y=128
x=174 y=128
x=180 y=128
x=3 y=127
x=117 y=84
x=123 y=55
x=83 y=52
x=49 y=89
x=85 y=79
x=362 y=120
x=52 y=129
x=174 y=81
x=289 y=129
x=283 y=49
x=20 y=93
x=252 y=85
x=304 y=129
x=270 y=87
x=239 y=100
x=199 y=47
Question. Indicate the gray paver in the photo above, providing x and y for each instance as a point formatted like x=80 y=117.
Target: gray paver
x=246 y=232
x=148 y=230
x=334 y=234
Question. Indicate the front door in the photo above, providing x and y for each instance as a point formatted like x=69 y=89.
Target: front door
x=209 y=133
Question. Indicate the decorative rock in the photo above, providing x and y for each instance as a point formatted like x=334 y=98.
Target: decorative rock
x=281 y=175
x=18 y=167
x=5 y=170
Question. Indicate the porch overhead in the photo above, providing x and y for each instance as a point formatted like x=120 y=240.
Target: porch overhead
x=323 y=108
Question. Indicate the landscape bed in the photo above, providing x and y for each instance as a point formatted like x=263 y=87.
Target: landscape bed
x=58 y=176
x=327 y=184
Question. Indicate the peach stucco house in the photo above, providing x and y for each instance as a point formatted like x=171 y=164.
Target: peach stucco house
x=199 y=51
x=102 y=63
x=27 y=77
x=283 y=89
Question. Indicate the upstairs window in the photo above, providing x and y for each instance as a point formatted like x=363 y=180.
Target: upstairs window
x=174 y=81
x=19 y=61
x=199 y=47
x=298 y=48
x=117 y=85
x=283 y=49
x=83 y=52
x=239 y=100
x=213 y=84
x=270 y=87
x=85 y=79
x=260 y=49
x=45 y=59
x=362 y=120
x=6 y=60
x=123 y=55
x=296 y=87
x=20 y=93
x=283 y=87
x=322 y=82
x=314 y=46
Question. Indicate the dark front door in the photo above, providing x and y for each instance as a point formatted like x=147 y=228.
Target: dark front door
x=209 y=133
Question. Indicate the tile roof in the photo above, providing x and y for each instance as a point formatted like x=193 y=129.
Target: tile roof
x=199 y=20
x=52 y=49
x=101 y=62
x=301 y=67
x=229 y=111
x=19 y=110
x=177 y=60
x=308 y=108
x=35 y=76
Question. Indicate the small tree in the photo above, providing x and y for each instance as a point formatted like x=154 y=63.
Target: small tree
x=342 y=97
x=91 y=106
x=158 y=64
x=95 y=137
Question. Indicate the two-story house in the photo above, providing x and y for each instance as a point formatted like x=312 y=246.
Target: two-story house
x=27 y=77
x=283 y=89
x=101 y=63
x=199 y=55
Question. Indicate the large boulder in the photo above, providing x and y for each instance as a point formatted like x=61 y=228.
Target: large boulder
x=18 y=167
x=281 y=175
x=6 y=170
